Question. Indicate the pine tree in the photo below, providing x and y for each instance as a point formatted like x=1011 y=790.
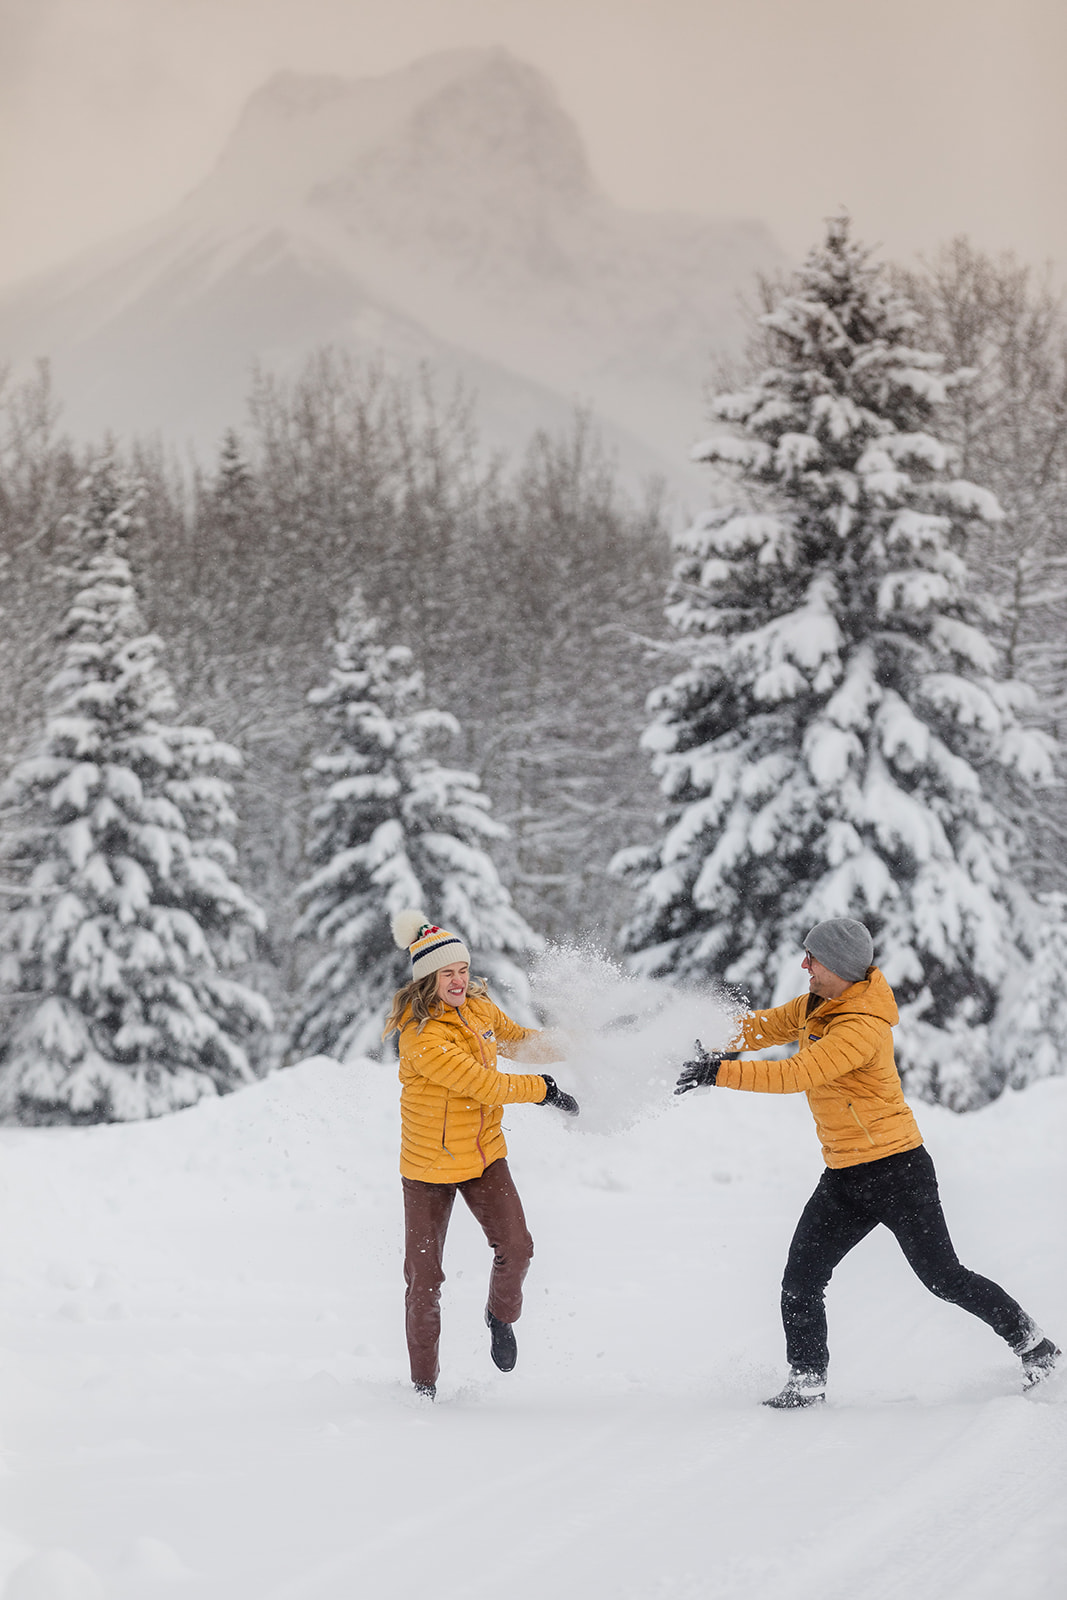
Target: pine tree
x=1007 y=327
x=1032 y=1040
x=393 y=829
x=115 y=960
x=234 y=488
x=840 y=743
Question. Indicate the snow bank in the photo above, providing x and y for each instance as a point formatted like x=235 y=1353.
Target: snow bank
x=204 y=1389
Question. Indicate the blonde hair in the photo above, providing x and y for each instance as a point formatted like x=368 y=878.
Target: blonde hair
x=417 y=1001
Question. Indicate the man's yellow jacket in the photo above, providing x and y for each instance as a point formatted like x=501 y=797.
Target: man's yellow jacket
x=844 y=1065
x=452 y=1099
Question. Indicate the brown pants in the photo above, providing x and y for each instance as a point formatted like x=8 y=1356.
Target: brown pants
x=495 y=1202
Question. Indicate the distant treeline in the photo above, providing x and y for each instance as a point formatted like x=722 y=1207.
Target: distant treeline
x=528 y=592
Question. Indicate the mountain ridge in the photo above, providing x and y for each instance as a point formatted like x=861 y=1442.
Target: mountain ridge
x=451 y=209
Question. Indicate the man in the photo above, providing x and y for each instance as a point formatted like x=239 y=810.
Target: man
x=877 y=1169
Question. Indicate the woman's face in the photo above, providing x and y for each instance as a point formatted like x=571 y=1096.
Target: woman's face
x=452 y=983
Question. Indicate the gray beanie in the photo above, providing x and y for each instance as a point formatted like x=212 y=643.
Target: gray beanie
x=843 y=945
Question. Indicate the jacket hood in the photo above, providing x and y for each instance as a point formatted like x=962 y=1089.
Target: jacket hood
x=871 y=997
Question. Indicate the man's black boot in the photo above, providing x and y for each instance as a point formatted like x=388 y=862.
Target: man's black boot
x=801 y=1389
x=505 y=1351
x=1039 y=1362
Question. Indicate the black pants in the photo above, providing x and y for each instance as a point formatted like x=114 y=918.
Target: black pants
x=849 y=1202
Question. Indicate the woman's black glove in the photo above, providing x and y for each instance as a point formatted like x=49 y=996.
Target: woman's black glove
x=701 y=1072
x=555 y=1096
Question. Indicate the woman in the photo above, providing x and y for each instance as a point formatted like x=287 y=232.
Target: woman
x=451 y=1106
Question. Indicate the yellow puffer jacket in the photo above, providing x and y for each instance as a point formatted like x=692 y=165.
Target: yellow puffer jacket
x=844 y=1065
x=452 y=1099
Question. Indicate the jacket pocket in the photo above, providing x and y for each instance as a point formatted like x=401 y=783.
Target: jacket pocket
x=862 y=1126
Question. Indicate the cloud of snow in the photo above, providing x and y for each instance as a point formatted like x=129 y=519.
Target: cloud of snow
x=629 y=1034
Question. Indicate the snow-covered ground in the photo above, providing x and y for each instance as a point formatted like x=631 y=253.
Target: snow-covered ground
x=205 y=1391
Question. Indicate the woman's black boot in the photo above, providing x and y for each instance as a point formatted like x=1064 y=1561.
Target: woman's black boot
x=505 y=1351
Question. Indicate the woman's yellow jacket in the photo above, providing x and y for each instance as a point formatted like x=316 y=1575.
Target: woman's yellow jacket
x=452 y=1099
x=844 y=1065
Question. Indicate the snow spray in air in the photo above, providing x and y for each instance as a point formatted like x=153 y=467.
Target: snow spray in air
x=627 y=1035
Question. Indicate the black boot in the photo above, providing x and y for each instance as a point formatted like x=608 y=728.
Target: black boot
x=505 y=1351
x=426 y=1391
x=801 y=1389
x=1039 y=1362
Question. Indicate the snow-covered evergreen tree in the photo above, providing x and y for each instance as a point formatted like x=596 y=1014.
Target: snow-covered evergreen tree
x=114 y=962
x=1033 y=1038
x=840 y=742
x=393 y=828
x=234 y=486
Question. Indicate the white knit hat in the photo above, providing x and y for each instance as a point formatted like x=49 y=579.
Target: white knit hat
x=431 y=947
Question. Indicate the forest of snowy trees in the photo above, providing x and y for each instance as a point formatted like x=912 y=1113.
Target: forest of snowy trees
x=846 y=738
x=250 y=709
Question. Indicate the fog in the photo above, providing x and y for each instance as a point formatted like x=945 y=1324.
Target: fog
x=926 y=117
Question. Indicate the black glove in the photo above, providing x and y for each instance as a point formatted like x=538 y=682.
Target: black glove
x=555 y=1096
x=701 y=1072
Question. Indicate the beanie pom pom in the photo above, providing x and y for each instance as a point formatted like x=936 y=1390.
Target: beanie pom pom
x=406 y=926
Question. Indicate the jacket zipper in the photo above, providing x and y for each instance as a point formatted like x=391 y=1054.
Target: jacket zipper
x=855 y=1115
x=481 y=1111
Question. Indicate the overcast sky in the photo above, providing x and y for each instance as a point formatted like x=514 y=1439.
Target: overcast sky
x=925 y=117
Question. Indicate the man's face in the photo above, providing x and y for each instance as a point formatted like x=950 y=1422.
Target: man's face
x=821 y=981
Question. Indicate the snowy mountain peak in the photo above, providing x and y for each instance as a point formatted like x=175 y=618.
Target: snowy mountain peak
x=443 y=213
x=458 y=118
x=501 y=117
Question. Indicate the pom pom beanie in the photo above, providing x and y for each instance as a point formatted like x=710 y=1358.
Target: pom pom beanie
x=430 y=947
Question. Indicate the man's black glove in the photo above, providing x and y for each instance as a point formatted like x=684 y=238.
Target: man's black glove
x=555 y=1096
x=701 y=1072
